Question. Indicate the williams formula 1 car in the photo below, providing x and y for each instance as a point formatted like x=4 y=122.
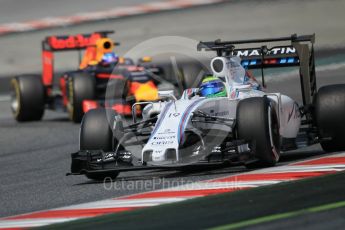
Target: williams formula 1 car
x=245 y=126
x=79 y=91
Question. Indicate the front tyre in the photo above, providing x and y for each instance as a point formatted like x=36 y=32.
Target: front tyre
x=27 y=98
x=96 y=134
x=257 y=123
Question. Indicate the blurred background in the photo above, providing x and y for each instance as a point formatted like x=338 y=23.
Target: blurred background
x=38 y=153
x=229 y=20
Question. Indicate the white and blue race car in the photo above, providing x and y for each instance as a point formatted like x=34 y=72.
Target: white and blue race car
x=244 y=125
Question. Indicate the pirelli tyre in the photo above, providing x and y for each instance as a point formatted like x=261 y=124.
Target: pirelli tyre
x=96 y=133
x=257 y=123
x=27 y=98
x=81 y=86
x=329 y=113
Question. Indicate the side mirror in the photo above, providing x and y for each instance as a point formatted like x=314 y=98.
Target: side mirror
x=167 y=94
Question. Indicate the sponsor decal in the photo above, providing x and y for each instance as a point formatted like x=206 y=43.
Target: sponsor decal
x=167 y=131
x=294 y=111
x=160 y=142
x=257 y=52
x=163 y=140
x=73 y=41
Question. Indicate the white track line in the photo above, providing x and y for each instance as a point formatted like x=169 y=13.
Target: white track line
x=222 y=185
x=144 y=202
x=27 y=223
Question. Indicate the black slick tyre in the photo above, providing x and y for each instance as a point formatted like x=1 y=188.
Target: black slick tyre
x=27 y=98
x=257 y=123
x=81 y=86
x=96 y=134
x=329 y=114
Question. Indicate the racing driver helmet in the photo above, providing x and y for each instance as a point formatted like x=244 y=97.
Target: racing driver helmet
x=212 y=87
x=109 y=58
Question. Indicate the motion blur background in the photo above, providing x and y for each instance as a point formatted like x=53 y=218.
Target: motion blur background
x=230 y=20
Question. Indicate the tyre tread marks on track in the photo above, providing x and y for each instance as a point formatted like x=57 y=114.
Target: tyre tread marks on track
x=269 y=176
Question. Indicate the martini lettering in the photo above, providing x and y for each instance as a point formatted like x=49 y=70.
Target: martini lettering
x=257 y=52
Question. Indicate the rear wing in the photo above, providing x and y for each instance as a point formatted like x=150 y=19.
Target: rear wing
x=299 y=52
x=72 y=42
x=60 y=43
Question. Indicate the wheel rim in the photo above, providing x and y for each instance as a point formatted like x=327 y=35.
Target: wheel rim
x=273 y=132
x=15 y=98
x=70 y=103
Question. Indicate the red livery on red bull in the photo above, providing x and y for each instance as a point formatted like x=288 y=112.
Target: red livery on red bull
x=85 y=88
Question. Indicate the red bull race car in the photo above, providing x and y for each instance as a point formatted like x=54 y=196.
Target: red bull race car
x=85 y=88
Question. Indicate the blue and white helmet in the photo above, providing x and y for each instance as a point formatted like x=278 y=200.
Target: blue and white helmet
x=109 y=58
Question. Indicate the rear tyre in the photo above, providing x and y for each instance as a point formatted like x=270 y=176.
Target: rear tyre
x=27 y=98
x=96 y=134
x=329 y=116
x=81 y=86
x=257 y=123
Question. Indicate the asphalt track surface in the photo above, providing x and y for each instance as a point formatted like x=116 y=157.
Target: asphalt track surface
x=36 y=155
